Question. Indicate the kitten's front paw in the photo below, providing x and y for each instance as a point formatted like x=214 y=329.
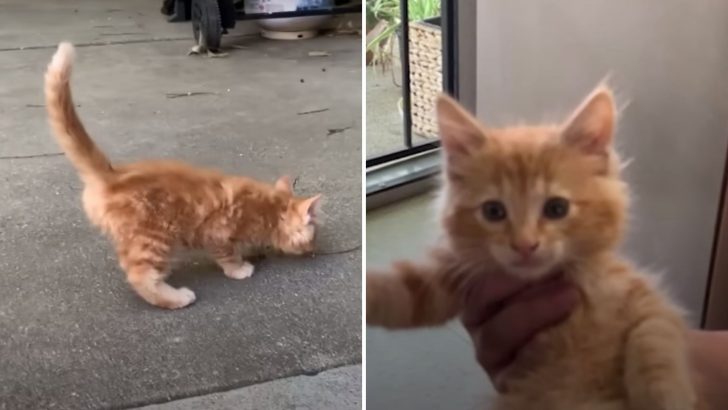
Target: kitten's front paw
x=684 y=401
x=674 y=396
x=242 y=272
x=182 y=297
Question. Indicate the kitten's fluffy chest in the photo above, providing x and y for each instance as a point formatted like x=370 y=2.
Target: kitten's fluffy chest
x=581 y=360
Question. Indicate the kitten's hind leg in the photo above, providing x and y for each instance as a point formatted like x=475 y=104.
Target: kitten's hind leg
x=231 y=262
x=150 y=285
x=145 y=262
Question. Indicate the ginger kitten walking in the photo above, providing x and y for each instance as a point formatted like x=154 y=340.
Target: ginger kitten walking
x=531 y=202
x=150 y=208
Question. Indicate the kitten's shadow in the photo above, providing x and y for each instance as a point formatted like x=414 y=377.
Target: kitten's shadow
x=197 y=270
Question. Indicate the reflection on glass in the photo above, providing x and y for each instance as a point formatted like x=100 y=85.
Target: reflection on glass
x=386 y=105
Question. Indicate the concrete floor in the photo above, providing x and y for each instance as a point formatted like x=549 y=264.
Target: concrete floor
x=72 y=334
x=419 y=369
x=335 y=389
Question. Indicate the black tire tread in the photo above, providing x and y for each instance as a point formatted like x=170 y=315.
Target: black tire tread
x=206 y=19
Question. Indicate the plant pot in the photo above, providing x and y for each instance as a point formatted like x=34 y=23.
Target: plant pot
x=425 y=67
x=293 y=28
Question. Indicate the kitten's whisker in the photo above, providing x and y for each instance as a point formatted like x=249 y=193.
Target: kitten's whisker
x=622 y=107
x=625 y=163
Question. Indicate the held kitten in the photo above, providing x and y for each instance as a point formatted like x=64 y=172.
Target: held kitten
x=150 y=208
x=532 y=201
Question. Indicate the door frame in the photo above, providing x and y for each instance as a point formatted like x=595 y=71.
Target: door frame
x=715 y=308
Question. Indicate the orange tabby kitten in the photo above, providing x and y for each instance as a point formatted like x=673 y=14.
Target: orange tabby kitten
x=532 y=201
x=150 y=208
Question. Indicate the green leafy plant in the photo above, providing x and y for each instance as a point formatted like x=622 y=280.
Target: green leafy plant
x=383 y=20
x=423 y=9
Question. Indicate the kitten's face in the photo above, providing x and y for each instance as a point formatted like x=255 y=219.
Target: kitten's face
x=297 y=226
x=531 y=198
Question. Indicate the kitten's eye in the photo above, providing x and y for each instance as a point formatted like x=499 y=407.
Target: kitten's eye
x=494 y=211
x=556 y=208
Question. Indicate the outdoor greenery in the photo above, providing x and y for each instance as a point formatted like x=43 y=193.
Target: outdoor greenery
x=383 y=20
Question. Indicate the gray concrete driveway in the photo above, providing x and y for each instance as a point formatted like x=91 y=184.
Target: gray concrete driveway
x=72 y=334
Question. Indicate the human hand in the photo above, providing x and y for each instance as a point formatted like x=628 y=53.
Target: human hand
x=503 y=313
x=709 y=359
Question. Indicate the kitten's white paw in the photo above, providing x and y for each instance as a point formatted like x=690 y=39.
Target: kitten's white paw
x=180 y=298
x=242 y=272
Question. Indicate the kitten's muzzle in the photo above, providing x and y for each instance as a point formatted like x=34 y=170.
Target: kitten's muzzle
x=525 y=248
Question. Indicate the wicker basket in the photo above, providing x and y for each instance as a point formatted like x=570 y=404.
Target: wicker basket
x=425 y=74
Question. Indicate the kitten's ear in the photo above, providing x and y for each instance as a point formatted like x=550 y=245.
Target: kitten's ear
x=283 y=184
x=591 y=126
x=460 y=131
x=308 y=208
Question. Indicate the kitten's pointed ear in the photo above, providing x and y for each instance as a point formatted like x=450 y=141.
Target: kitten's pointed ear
x=591 y=126
x=308 y=208
x=460 y=131
x=283 y=184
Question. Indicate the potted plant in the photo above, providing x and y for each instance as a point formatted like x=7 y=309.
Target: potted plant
x=382 y=21
x=425 y=52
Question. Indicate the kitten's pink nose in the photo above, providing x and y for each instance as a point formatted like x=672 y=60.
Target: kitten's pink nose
x=524 y=248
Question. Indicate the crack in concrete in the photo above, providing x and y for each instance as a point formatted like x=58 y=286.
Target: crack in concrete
x=339 y=252
x=48 y=154
x=98 y=43
x=122 y=42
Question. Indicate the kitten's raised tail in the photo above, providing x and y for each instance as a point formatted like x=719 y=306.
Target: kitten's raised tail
x=91 y=164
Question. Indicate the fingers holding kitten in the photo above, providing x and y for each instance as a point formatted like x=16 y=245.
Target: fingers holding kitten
x=502 y=314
